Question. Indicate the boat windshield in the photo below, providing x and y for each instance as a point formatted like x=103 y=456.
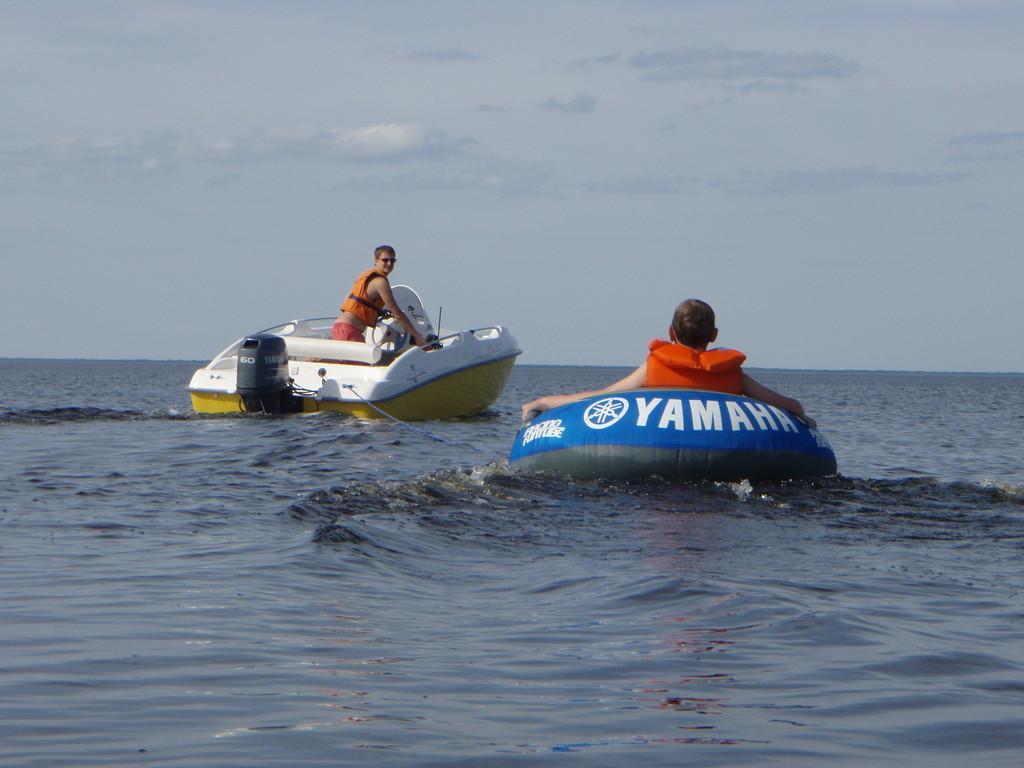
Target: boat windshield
x=313 y=328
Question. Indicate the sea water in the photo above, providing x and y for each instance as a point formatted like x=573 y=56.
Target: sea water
x=318 y=590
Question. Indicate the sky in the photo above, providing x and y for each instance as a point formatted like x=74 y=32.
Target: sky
x=840 y=180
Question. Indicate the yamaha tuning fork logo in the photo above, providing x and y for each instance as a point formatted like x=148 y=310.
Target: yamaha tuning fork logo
x=606 y=412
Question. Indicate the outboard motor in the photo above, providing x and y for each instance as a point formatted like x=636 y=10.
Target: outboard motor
x=262 y=374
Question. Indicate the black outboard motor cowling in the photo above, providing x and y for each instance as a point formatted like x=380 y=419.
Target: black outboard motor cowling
x=262 y=374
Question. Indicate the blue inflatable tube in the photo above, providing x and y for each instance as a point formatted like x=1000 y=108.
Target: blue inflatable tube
x=677 y=434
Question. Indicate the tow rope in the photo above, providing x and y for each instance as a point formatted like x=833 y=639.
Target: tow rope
x=406 y=424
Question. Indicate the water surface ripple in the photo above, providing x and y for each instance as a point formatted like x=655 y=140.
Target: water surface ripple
x=322 y=591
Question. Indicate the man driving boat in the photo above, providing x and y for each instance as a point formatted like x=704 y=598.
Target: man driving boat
x=371 y=299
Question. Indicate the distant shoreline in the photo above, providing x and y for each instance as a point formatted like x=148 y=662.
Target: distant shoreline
x=199 y=363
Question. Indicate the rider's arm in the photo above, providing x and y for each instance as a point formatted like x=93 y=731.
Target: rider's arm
x=752 y=388
x=383 y=288
x=634 y=380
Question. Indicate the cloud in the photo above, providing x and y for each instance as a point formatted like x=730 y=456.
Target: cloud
x=990 y=138
x=777 y=183
x=987 y=146
x=768 y=86
x=830 y=181
x=445 y=55
x=384 y=143
x=594 y=62
x=388 y=142
x=729 y=64
x=650 y=185
x=580 y=103
x=94 y=159
x=517 y=181
x=223 y=179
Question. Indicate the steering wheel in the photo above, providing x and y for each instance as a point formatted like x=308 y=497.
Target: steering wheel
x=389 y=336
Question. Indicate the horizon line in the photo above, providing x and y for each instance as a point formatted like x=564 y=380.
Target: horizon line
x=538 y=365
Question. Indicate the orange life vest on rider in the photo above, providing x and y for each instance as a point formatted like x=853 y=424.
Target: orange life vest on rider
x=358 y=302
x=670 y=364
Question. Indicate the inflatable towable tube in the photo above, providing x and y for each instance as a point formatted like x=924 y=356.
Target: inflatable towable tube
x=677 y=434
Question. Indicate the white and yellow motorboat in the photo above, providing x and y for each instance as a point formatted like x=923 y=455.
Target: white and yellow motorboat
x=297 y=367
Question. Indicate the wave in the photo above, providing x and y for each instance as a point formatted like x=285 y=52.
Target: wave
x=502 y=501
x=490 y=487
x=72 y=414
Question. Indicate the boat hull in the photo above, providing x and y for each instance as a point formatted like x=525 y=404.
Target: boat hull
x=297 y=367
x=675 y=434
x=462 y=392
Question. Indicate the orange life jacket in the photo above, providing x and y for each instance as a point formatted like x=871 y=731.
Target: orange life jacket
x=671 y=364
x=359 y=304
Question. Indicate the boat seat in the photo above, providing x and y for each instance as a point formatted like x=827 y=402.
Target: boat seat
x=331 y=351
